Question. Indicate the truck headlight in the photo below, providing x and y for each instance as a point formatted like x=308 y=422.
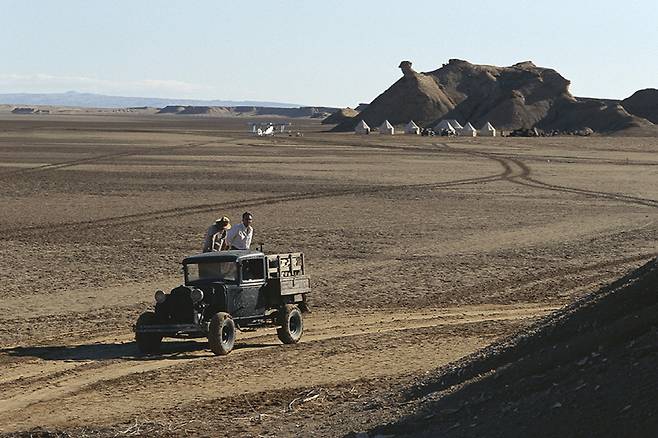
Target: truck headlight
x=160 y=296
x=196 y=295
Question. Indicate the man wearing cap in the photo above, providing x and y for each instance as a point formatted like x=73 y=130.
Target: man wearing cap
x=215 y=239
x=239 y=237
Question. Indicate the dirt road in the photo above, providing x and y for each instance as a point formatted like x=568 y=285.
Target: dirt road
x=76 y=385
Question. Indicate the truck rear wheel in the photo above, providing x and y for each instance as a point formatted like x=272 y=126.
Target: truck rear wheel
x=221 y=333
x=148 y=343
x=292 y=324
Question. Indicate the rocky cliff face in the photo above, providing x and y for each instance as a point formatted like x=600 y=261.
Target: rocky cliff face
x=415 y=96
x=520 y=96
x=643 y=103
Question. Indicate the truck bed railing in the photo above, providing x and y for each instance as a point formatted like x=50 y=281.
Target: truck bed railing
x=285 y=265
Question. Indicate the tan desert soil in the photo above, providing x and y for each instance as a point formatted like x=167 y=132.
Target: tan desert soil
x=421 y=251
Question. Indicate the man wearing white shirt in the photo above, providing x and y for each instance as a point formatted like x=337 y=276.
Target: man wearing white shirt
x=239 y=237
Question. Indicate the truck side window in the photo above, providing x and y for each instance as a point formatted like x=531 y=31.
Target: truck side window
x=253 y=270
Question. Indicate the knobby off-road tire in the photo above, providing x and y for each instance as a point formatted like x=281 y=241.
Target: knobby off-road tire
x=147 y=343
x=221 y=334
x=292 y=324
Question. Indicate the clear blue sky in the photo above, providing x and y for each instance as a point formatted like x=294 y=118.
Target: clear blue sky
x=336 y=53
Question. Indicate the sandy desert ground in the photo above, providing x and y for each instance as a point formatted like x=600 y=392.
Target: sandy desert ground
x=421 y=251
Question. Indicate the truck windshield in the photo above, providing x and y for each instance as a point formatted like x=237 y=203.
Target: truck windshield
x=226 y=271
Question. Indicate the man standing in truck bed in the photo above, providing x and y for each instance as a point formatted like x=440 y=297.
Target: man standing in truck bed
x=216 y=235
x=239 y=237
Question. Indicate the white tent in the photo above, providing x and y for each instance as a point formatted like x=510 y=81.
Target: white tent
x=411 y=128
x=267 y=131
x=444 y=125
x=468 y=130
x=362 y=128
x=455 y=124
x=386 y=128
x=488 y=130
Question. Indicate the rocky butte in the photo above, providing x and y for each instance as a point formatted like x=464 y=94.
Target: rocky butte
x=520 y=96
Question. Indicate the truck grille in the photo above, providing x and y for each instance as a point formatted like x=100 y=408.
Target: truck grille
x=178 y=308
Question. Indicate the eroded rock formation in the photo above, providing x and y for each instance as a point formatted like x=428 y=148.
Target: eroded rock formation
x=520 y=96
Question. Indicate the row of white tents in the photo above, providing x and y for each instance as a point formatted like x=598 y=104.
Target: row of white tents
x=452 y=127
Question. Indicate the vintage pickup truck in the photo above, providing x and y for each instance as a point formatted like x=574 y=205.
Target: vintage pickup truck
x=227 y=291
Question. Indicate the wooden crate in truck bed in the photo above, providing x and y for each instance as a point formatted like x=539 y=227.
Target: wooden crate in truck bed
x=286 y=273
x=285 y=265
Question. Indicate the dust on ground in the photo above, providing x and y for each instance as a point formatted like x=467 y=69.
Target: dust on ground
x=421 y=252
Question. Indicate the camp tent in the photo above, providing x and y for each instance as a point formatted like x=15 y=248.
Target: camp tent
x=411 y=128
x=362 y=128
x=468 y=130
x=444 y=126
x=455 y=124
x=488 y=130
x=386 y=128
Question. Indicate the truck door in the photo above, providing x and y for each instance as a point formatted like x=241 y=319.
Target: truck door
x=247 y=301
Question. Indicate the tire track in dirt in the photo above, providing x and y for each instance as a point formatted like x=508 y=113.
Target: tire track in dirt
x=100 y=158
x=507 y=173
x=68 y=370
x=19 y=232
x=523 y=178
x=571 y=159
x=532 y=182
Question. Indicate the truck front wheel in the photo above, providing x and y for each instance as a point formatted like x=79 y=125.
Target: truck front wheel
x=292 y=324
x=221 y=334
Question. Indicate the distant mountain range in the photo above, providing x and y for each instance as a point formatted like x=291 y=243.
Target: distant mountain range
x=90 y=100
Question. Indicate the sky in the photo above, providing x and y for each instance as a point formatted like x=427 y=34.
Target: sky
x=332 y=53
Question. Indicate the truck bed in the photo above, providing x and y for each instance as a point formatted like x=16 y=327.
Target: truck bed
x=286 y=274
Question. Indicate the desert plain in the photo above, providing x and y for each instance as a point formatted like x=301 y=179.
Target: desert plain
x=421 y=250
